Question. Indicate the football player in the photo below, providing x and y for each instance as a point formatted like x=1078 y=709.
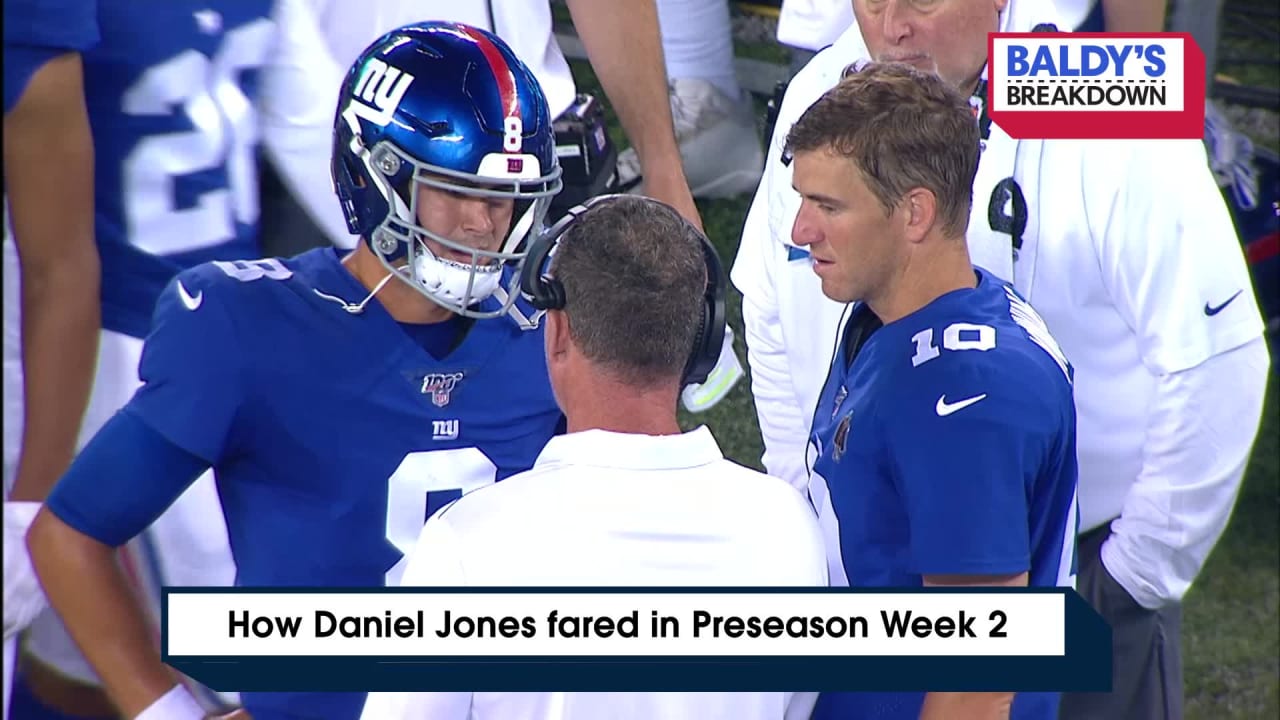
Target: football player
x=340 y=399
x=169 y=89
x=1152 y=328
x=945 y=433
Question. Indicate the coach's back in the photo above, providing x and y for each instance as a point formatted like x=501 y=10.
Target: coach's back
x=625 y=498
x=611 y=509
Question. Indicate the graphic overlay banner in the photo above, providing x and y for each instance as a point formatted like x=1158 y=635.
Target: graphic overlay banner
x=1096 y=85
x=637 y=639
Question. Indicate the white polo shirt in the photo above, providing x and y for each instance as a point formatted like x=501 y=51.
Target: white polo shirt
x=608 y=509
x=1131 y=258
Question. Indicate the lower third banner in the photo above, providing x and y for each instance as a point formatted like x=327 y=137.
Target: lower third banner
x=635 y=639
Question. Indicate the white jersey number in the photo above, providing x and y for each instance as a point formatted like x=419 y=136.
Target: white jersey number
x=424 y=472
x=1028 y=319
x=980 y=337
x=225 y=132
x=250 y=270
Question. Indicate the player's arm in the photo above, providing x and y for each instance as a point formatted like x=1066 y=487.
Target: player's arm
x=1190 y=300
x=969 y=706
x=48 y=171
x=966 y=706
x=436 y=561
x=181 y=421
x=966 y=494
x=94 y=510
x=624 y=45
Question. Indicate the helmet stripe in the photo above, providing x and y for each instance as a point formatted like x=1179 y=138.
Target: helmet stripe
x=506 y=79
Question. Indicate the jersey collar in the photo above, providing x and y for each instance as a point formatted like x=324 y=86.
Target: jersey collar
x=601 y=448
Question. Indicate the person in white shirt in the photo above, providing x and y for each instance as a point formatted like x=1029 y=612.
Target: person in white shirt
x=624 y=498
x=1127 y=251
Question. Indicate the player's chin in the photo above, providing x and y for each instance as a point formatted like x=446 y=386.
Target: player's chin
x=837 y=291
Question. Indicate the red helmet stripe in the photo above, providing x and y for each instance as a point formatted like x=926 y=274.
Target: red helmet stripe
x=502 y=73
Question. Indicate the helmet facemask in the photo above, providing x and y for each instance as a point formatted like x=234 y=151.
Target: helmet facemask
x=459 y=285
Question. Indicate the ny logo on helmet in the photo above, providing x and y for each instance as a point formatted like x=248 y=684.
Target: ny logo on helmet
x=381 y=88
x=440 y=386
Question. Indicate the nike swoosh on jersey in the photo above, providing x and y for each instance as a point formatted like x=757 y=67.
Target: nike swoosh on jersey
x=1211 y=310
x=190 y=301
x=945 y=408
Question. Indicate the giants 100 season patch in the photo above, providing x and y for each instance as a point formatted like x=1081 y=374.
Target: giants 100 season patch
x=1096 y=85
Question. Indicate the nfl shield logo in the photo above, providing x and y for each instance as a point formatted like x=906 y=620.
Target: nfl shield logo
x=515 y=166
x=841 y=438
x=440 y=386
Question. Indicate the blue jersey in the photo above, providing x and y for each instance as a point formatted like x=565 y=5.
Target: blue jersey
x=170 y=92
x=332 y=436
x=36 y=31
x=946 y=444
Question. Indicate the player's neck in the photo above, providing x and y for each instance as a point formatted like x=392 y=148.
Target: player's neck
x=928 y=275
x=606 y=403
x=402 y=303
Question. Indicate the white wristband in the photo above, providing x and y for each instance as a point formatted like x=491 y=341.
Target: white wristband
x=177 y=704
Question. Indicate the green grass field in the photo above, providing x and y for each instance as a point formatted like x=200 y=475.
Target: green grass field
x=1231 y=633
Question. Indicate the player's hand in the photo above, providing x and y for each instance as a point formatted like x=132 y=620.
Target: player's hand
x=240 y=714
x=23 y=598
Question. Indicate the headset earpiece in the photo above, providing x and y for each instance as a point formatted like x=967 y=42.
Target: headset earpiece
x=544 y=291
x=710 y=338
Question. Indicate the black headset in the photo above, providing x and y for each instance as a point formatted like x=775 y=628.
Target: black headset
x=547 y=293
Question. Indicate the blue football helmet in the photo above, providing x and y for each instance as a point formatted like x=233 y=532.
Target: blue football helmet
x=448 y=106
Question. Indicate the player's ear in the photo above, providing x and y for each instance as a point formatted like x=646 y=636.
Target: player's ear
x=919 y=211
x=557 y=336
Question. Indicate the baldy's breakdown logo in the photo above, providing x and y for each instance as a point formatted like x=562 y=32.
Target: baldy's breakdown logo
x=1096 y=85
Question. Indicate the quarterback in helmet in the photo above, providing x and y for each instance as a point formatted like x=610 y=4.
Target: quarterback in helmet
x=417 y=128
x=340 y=400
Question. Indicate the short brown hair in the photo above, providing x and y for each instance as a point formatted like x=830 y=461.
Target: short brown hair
x=903 y=129
x=634 y=277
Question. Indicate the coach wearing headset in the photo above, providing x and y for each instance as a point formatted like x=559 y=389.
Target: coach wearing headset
x=635 y=310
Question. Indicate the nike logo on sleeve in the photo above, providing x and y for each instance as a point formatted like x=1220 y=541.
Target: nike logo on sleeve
x=1211 y=310
x=190 y=301
x=945 y=408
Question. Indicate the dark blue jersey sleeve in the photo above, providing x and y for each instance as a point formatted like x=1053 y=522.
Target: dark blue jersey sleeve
x=36 y=31
x=122 y=480
x=193 y=383
x=963 y=455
